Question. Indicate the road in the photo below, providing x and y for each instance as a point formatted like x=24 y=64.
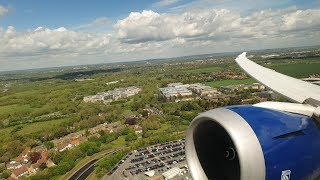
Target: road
x=87 y=169
x=83 y=170
x=86 y=173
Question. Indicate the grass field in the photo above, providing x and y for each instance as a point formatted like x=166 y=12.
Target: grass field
x=6 y=133
x=119 y=142
x=41 y=126
x=298 y=70
x=11 y=109
x=228 y=82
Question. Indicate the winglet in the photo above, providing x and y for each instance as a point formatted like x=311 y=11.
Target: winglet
x=242 y=56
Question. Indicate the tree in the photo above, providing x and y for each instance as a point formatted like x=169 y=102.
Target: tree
x=145 y=113
x=89 y=148
x=189 y=116
x=34 y=157
x=131 y=137
x=125 y=131
x=15 y=148
x=55 y=157
x=87 y=133
x=5 y=174
x=63 y=167
x=151 y=123
x=48 y=144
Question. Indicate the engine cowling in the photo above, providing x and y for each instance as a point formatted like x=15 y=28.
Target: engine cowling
x=247 y=142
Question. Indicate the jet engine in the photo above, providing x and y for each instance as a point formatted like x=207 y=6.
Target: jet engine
x=253 y=143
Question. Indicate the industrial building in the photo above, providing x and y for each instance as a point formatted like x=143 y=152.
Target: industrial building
x=179 y=90
x=202 y=90
x=113 y=95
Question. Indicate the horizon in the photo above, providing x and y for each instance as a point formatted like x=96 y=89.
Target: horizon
x=156 y=59
x=37 y=35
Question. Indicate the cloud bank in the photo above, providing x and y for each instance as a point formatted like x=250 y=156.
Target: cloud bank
x=149 y=34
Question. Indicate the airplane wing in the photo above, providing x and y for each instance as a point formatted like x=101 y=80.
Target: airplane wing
x=294 y=89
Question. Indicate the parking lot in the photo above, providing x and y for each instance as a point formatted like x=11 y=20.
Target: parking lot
x=154 y=160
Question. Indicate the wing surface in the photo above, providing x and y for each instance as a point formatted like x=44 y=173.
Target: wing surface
x=292 y=88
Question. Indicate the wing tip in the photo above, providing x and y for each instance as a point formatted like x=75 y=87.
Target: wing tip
x=241 y=56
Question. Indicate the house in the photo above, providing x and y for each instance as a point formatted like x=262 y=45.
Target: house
x=23 y=157
x=42 y=161
x=22 y=171
x=14 y=165
x=153 y=110
x=40 y=149
x=75 y=142
x=34 y=168
x=64 y=146
x=138 y=129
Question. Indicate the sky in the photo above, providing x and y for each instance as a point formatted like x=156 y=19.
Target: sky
x=37 y=33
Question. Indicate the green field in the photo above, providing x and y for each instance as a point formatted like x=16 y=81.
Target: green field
x=298 y=70
x=12 y=109
x=228 y=82
x=5 y=134
x=37 y=127
x=41 y=126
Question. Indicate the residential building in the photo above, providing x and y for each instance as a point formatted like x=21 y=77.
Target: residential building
x=75 y=142
x=14 y=165
x=18 y=173
x=138 y=129
x=23 y=157
x=64 y=146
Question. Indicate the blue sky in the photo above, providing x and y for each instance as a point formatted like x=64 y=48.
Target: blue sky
x=38 y=33
x=73 y=13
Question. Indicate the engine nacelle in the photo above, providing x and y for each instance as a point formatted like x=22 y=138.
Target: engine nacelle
x=247 y=142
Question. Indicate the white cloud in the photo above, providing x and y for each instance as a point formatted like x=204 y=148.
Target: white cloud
x=3 y=10
x=49 y=41
x=151 y=26
x=148 y=34
x=164 y=3
x=302 y=20
x=212 y=24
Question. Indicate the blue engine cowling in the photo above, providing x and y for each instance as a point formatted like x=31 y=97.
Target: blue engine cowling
x=247 y=142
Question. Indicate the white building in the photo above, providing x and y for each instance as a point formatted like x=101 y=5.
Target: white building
x=171 y=173
x=202 y=89
x=113 y=95
x=178 y=91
